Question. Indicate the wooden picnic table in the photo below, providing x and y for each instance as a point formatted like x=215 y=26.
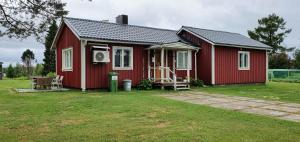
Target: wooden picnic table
x=40 y=82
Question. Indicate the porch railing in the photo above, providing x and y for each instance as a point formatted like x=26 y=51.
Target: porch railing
x=166 y=75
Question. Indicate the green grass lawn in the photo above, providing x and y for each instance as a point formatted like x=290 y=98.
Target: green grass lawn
x=280 y=91
x=134 y=116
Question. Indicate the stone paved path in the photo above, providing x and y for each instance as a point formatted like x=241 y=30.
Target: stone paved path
x=281 y=110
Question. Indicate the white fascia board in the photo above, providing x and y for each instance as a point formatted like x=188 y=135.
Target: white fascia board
x=63 y=23
x=246 y=47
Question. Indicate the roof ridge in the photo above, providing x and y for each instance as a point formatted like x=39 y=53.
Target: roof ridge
x=90 y=20
x=212 y=30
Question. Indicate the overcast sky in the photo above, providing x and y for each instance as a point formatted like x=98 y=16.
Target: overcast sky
x=228 y=15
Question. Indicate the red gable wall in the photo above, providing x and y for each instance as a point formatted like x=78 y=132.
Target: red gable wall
x=203 y=57
x=68 y=39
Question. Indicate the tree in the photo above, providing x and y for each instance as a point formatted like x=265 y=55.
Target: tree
x=297 y=58
x=38 y=70
x=271 y=31
x=279 y=61
x=27 y=58
x=10 y=72
x=24 y=18
x=19 y=70
x=49 y=54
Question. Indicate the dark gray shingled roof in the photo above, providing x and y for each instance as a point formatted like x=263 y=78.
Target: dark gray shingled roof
x=225 y=38
x=111 y=31
x=118 y=32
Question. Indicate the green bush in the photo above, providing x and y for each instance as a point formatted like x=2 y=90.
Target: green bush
x=51 y=74
x=197 y=83
x=145 y=85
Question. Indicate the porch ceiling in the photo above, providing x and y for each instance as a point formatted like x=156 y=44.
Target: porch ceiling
x=174 y=46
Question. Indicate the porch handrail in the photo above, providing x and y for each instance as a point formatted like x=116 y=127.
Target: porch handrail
x=174 y=77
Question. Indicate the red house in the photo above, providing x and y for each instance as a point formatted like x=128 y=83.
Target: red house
x=87 y=50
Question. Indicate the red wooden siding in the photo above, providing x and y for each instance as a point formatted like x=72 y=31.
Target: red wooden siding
x=226 y=66
x=203 y=57
x=68 y=39
x=204 y=63
x=97 y=74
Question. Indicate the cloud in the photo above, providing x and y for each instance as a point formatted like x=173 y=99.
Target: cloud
x=228 y=15
x=11 y=50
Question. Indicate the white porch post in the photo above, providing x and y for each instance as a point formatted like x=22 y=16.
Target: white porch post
x=174 y=74
x=267 y=67
x=149 y=71
x=154 y=66
x=83 y=65
x=166 y=58
x=174 y=61
x=162 y=65
x=188 y=65
x=196 y=76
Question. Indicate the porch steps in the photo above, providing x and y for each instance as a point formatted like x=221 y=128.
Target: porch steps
x=179 y=85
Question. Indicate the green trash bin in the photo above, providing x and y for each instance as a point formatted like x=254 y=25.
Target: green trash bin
x=113 y=81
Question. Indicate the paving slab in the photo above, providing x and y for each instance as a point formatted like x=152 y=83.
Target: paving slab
x=201 y=101
x=292 y=117
x=248 y=104
x=221 y=100
x=282 y=108
x=294 y=105
x=229 y=106
x=202 y=97
x=265 y=112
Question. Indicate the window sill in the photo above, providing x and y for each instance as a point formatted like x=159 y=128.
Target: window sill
x=244 y=69
x=67 y=70
x=183 y=69
x=118 y=68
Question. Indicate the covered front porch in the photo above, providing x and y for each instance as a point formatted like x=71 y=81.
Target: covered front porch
x=171 y=64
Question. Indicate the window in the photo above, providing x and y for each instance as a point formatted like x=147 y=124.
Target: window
x=244 y=60
x=182 y=60
x=122 y=58
x=67 y=59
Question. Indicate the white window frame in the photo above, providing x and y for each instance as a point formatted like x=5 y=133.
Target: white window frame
x=64 y=68
x=189 y=58
x=122 y=48
x=248 y=61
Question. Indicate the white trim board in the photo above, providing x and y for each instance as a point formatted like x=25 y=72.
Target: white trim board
x=213 y=81
x=83 y=64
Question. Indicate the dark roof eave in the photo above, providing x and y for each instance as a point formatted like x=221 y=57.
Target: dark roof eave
x=118 y=41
